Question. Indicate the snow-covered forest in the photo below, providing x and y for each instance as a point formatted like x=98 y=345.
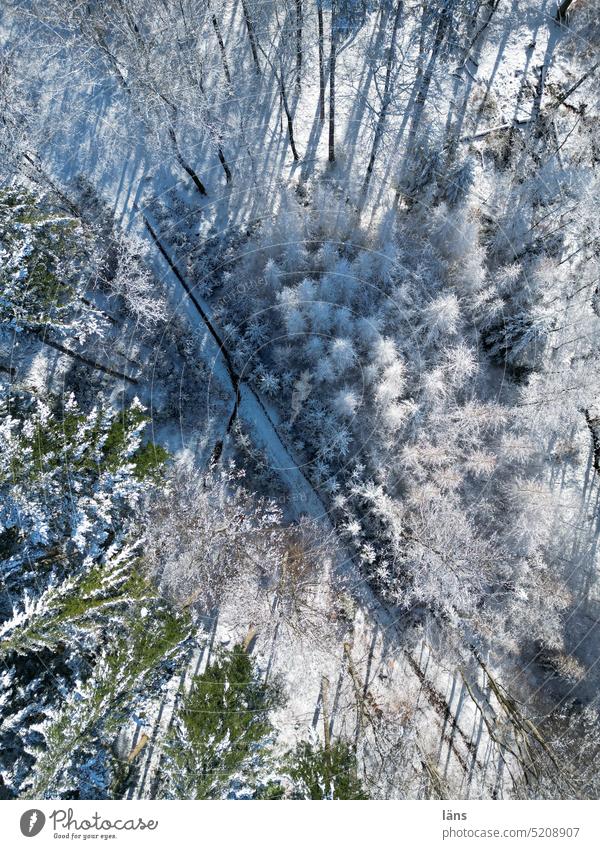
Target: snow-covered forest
x=300 y=411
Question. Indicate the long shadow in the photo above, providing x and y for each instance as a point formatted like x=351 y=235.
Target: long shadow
x=309 y=158
x=450 y=699
x=456 y=116
x=273 y=643
x=490 y=82
x=533 y=136
x=354 y=122
x=412 y=114
x=154 y=741
x=336 y=699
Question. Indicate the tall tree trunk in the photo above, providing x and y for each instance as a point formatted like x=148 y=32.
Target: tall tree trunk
x=186 y=167
x=172 y=109
x=471 y=52
x=251 y=34
x=299 y=21
x=223 y=162
x=288 y=115
x=593 y=423
x=422 y=83
x=332 y=85
x=217 y=29
x=387 y=96
x=325 y=707
x=564 y=97
x=321 y=62
x=220 y=153
x=563 y=10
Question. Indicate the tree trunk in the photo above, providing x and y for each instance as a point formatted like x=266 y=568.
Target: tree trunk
x=332 y=86
x=187 y=168
x=252 y=632
x=223 y=162
x=299 y=21
x=386 y=100
x=251 y=34
x=224 y=61
x=137 y=749
x=422 y=83
x=360 y=704
x=593 y=423
x=576 y=85
x=325 y=707
x=112 y=58
x=563 y=10
x=321 y=63
x=288 y=115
